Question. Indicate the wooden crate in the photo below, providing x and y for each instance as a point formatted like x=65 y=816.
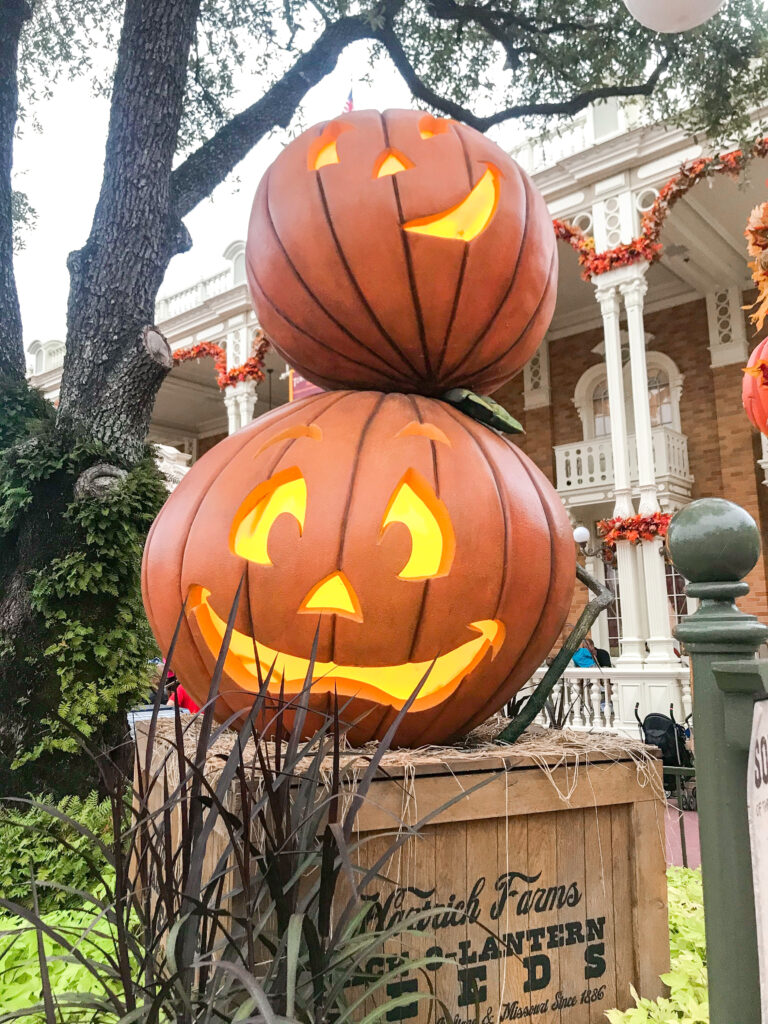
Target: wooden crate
x=546 y=909
x=559 y=907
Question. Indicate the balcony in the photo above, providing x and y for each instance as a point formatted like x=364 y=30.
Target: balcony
x=584 y=469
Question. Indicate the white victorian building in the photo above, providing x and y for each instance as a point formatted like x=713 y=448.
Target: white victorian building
x=631 y=404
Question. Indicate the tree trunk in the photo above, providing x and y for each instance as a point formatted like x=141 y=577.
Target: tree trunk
x=13 y=14
x=114 y=364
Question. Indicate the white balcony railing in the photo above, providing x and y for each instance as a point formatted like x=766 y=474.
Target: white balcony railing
x=584 y=469
x=603 y=700
x=193 y=296
x=546 y=150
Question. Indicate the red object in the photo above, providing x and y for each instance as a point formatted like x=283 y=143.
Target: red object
x=406 y=532
x=401 y=252
x=181 y=697
x=634 y=528
x=754 y=388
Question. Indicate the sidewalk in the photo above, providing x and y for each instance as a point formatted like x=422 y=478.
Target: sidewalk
x=674 y=845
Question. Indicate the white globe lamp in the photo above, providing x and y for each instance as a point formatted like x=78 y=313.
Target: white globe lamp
x=581 y=535
x=672 y=15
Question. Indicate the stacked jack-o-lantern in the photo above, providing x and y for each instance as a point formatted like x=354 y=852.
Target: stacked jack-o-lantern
x=391 y=257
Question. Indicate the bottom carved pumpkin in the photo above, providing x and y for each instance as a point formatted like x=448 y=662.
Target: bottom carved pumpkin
x=408 y=538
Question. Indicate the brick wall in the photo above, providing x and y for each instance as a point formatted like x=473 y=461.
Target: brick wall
x=722 y=447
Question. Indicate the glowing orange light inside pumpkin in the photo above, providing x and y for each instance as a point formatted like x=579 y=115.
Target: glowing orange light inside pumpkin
x=333 y=595
x=391 y=162
x=433 y=543
x=323 y=150
x=285 y=492
x=390 y=684
x=467 y=218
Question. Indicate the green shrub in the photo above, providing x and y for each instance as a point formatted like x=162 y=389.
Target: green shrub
x=20 y=984
x=687 y=977
x=58 y=853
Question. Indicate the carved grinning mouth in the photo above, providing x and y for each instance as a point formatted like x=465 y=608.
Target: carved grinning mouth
x=384 y=684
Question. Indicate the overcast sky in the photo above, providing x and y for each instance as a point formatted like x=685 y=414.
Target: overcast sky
x=60 y=170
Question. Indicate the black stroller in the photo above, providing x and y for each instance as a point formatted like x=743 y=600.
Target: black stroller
x=670 y=737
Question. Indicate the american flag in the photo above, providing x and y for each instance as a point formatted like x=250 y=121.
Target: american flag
x=349 y=106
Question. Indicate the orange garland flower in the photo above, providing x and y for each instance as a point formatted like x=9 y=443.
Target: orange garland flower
x=647 y=246
x=756 y=234
x=634 y=528
x=252 y=368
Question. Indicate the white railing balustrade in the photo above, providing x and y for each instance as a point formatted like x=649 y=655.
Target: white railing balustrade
x=585 y=465
x=546 y=150
x=193 y=296
x=603 y=700
x=172 y=463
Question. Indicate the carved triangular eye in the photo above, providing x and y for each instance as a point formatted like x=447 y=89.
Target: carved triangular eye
x=391 y=162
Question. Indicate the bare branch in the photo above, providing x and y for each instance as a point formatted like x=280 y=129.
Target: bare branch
x=423 y=92
x=209 y=165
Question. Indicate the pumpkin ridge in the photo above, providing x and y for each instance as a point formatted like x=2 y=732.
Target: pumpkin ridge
x=356 y=285
x=468 y=426
x=552 y=576
x=425 y=588
x=199 y=656
x=278 y=459
x=345 y=330
x=415 y=299
x=469 y=349
x=531 y=320
x=350 y=491
x=454 y=311
x=291 y=323
x=462 y=268
x=201 y=652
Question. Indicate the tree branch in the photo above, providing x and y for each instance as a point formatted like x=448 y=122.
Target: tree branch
x=13 y=14
x=388 y=38
x=208 y=166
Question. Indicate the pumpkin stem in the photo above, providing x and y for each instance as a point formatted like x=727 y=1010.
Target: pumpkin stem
x=483 y=409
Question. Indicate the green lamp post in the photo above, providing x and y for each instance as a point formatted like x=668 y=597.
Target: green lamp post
x=715 y=543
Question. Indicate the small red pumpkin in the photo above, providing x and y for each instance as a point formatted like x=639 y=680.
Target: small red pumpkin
x=754 y=388
x=410 y=533
x=401 y=252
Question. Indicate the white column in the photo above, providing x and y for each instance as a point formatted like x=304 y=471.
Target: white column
x=632 y=642
x=596 y=568
x=660 y=643
x=633 y=291
x=240 y=401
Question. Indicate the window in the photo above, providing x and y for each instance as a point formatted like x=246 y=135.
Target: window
x=678 y=604
x=660 y=398
x=613 y=611
x=601 y=413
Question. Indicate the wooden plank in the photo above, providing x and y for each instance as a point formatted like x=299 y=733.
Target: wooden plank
x=512 y=845
x=483 y=953
x=451 y=877
x=571 y=918
x=540 y=966
x=418 y=871
x=650 y=917
x=600 y=904
x=623 y=905
x=521 y=792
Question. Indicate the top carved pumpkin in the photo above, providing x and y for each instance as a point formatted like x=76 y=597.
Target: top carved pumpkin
x=401 y=252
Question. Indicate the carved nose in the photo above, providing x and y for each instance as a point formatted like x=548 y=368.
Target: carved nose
x=333 y=595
